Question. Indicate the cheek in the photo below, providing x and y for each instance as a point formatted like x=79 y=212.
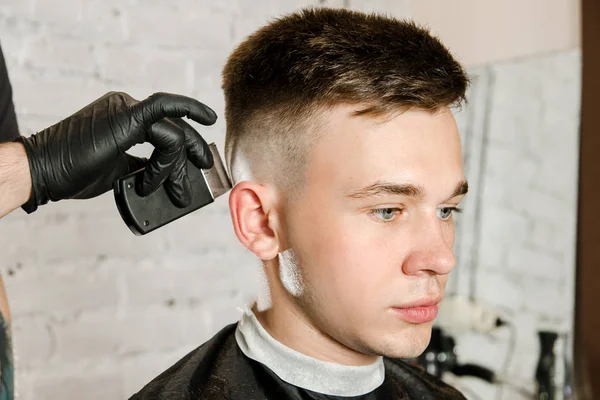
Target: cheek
x=342 y=255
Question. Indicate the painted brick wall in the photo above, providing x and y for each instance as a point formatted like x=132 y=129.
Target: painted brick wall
x=99 y=311
x=516 y=240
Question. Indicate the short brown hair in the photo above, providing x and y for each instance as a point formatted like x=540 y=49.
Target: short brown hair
x=278 y=79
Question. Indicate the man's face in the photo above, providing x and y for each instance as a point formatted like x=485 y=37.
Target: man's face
x=373 y=229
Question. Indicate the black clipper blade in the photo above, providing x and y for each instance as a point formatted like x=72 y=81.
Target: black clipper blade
x=145 y=214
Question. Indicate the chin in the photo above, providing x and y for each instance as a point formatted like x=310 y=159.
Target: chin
x=409 y=343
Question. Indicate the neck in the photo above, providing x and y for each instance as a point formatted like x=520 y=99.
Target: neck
x=288 y=324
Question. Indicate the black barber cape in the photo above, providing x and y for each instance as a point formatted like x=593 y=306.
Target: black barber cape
x=225 y=367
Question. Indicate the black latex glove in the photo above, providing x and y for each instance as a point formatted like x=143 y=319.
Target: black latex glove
x=81 y=156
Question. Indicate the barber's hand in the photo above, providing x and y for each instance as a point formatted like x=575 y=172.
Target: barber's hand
x=81 y=156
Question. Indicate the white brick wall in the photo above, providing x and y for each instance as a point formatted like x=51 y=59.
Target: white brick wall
x=516 y=240
x=98 y=312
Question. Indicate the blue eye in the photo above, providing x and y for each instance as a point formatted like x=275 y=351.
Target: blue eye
x=445 y=213
x=386 y=214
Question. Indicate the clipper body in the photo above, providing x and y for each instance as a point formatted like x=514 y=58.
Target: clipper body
x=145 y=214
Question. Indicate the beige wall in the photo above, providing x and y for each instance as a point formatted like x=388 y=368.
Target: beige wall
x=484 y=31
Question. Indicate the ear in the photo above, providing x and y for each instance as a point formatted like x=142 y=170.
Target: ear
x=254 y=217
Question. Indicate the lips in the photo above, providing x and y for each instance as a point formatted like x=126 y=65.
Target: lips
x=420 y=311
x=424 y=302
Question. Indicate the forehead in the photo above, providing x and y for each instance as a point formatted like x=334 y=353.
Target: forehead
x=415 y=147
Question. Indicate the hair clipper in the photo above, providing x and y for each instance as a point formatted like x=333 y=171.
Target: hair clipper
x=145 y=214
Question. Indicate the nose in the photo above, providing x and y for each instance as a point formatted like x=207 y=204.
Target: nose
x=432 y=250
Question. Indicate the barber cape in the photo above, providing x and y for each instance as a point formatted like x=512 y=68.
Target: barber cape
x=244 y=362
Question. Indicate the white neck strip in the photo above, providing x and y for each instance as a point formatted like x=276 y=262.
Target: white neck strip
x=301 y=370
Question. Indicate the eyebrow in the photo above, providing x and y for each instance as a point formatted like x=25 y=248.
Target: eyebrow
x=394 y=189
x=461 y=189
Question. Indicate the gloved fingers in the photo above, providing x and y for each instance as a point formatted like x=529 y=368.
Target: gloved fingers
x=163 y=105
x=134 y=163
x=104 y=180
x=177 y=184
x=197 y=149
x=124 y=165
x=168 y=140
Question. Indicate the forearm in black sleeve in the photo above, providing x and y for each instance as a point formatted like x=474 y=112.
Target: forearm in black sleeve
x=9 y=129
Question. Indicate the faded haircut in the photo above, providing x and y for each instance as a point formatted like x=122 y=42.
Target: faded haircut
x=281 y=80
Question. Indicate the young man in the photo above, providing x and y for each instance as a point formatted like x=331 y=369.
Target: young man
x=348 y=168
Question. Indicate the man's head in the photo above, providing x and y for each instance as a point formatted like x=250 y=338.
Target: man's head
x=348 y=165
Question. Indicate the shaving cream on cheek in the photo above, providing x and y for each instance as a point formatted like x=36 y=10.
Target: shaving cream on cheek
x=263 y=302
x=289 y=272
